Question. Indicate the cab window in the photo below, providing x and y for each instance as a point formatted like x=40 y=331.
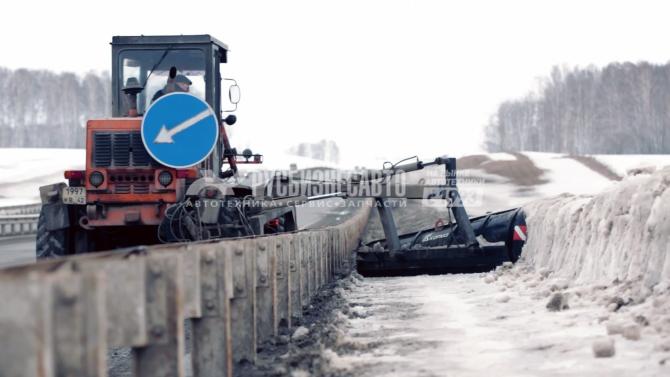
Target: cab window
x=151 y=69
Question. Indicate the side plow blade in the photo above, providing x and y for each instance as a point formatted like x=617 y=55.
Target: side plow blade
x=499 y=238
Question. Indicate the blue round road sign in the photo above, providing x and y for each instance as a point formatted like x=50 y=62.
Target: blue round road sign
x=179 y=130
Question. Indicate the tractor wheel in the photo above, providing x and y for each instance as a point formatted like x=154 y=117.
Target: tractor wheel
x=50 y=244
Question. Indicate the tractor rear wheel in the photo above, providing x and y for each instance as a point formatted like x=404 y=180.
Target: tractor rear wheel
x=50 y=244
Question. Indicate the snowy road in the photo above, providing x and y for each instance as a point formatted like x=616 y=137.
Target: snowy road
x=460 y=325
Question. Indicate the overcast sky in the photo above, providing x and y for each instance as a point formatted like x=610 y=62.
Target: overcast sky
x=381 y=78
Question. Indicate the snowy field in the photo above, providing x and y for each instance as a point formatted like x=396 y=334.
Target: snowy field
x=24 y=170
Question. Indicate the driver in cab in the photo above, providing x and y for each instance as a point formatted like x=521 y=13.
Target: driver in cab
x=175 y=83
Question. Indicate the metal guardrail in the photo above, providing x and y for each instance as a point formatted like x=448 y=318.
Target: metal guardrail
x=59 y=317
x=19 y=220
x=23 y=209
x=15 y=225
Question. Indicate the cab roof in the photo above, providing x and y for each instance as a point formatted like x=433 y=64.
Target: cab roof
x=168 y=40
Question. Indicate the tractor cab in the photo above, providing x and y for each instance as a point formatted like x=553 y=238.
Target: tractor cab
x=144 y=65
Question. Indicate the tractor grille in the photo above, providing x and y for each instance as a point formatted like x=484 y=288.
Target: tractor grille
x=120 y=149
x=131 y=188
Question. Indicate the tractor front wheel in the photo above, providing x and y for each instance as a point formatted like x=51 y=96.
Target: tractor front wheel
x=50 y=244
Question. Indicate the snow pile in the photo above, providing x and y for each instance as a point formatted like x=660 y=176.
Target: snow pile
x=622 y=233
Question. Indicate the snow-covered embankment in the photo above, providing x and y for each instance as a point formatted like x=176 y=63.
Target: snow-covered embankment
x=622 y=233
x=607 y=255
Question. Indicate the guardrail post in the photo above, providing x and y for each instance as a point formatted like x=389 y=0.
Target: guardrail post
x=338 y=250
x=295 y=279
x=329 y=241
x=164 y=353
x=304 y=269
x=283 y=297
x=265 y=289
x=311 y=265
x=346 y=250
x=190 y=258
x=316 y=263
x=322 y=252
x=316 y=247
x=242 y=307
x=126 y=281
x=326 y=256
x=212 y=341
x=78 y=324
x=25 y=327
x=333 y=252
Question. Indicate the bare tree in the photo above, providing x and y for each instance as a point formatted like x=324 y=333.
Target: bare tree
x=44 y=109
x=622 y=108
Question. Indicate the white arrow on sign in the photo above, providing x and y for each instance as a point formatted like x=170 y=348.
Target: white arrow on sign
x=165 y=136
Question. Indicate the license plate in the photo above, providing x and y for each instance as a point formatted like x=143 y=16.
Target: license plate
x=74 y=195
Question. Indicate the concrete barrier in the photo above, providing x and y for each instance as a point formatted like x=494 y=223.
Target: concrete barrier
x=59 y=317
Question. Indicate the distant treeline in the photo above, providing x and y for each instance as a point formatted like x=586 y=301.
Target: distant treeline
x=45 y=109
x=620 y=109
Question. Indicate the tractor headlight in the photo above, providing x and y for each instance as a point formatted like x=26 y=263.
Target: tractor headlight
x=96 y=178
x=165 y=178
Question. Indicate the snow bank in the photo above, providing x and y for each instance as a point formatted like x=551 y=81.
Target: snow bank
x=622 y=163
x=622 y=233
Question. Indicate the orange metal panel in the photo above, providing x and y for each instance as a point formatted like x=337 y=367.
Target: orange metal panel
x=148 y=214
x=105 y=192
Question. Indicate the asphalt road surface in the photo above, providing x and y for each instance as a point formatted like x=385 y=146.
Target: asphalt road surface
x=17 y=250
x=21 y=249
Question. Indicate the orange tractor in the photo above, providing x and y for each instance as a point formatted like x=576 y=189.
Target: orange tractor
x=125 y=197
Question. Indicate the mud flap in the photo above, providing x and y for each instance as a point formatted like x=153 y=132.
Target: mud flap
x=56 y=216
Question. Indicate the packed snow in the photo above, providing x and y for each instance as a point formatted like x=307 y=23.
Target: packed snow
x=466 y=325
